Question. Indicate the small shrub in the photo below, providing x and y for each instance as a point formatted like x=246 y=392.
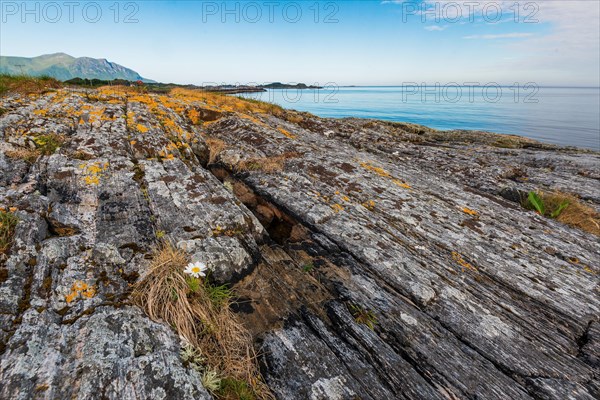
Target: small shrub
x=8 y=222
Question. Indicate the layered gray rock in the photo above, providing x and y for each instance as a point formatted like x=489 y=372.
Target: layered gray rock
x=364 y=222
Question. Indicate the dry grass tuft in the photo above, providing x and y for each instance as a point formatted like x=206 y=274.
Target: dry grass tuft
x=215 y=147
x=264 y=164
x=22 y=153
x=26 y=84
x=210 y=327
x=294 y=118
x=576 y=214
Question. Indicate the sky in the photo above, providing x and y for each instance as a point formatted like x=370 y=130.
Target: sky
x=320 y=42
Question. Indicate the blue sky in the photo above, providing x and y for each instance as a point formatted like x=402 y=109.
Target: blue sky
x=346 y=42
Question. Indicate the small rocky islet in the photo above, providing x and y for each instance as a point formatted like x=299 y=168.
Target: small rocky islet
x=369 y=259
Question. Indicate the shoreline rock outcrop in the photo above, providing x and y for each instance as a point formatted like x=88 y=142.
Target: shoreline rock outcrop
x=372 y=260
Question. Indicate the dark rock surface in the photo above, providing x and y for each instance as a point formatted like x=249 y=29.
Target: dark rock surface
x=413 y=230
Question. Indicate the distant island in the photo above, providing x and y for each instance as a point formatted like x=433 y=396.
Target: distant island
x=232 y=89
x=158 y=87
x=279 y=85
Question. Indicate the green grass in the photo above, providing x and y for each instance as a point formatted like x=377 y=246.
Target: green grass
x=48 y=144
x=219 y=295
x=308 y=267
x=23 y=84
x=193 y=284
x=235 y=389
x=8 y=222
x=547 y=205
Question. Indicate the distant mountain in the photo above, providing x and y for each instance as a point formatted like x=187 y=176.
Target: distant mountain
x=64 y=67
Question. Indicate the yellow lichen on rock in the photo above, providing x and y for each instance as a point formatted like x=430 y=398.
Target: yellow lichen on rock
x=80 y=289
x=93 y=172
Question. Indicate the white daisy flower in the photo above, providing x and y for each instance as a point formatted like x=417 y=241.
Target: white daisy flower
x=196 y=269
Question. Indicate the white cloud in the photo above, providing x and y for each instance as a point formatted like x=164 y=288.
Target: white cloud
x=438 y=28
x=512 y=35
x=564 y=49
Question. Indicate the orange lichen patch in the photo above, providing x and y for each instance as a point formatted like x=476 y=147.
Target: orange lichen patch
x=91 y=180
x=337 y=207
x=40 y=112
x=589 y=270
x=220 y=231
x=226 y=103
x=346 y=198
x=379 y=171
x=461 y=261
x=469 y=211
x=401 y=184
x=112 y=91
x=89 y=292
x=70 y=297
x=80 y=289
x=383 y=173
x=141 y=128
x=93 y=172
x=286 y=133
x=171 y=150
x=194 y=116
x=369 y=205
x=96 y=114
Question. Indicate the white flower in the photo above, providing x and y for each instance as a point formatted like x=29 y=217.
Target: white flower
x=196 y=269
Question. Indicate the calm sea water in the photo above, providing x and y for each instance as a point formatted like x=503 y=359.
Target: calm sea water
x=565 y=116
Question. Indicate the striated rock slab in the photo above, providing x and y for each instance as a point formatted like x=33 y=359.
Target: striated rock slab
x=372 y=260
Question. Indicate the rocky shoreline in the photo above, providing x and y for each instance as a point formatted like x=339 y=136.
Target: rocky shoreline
x=371 y=260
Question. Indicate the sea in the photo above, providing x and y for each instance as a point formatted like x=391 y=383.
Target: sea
x=559 y=115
